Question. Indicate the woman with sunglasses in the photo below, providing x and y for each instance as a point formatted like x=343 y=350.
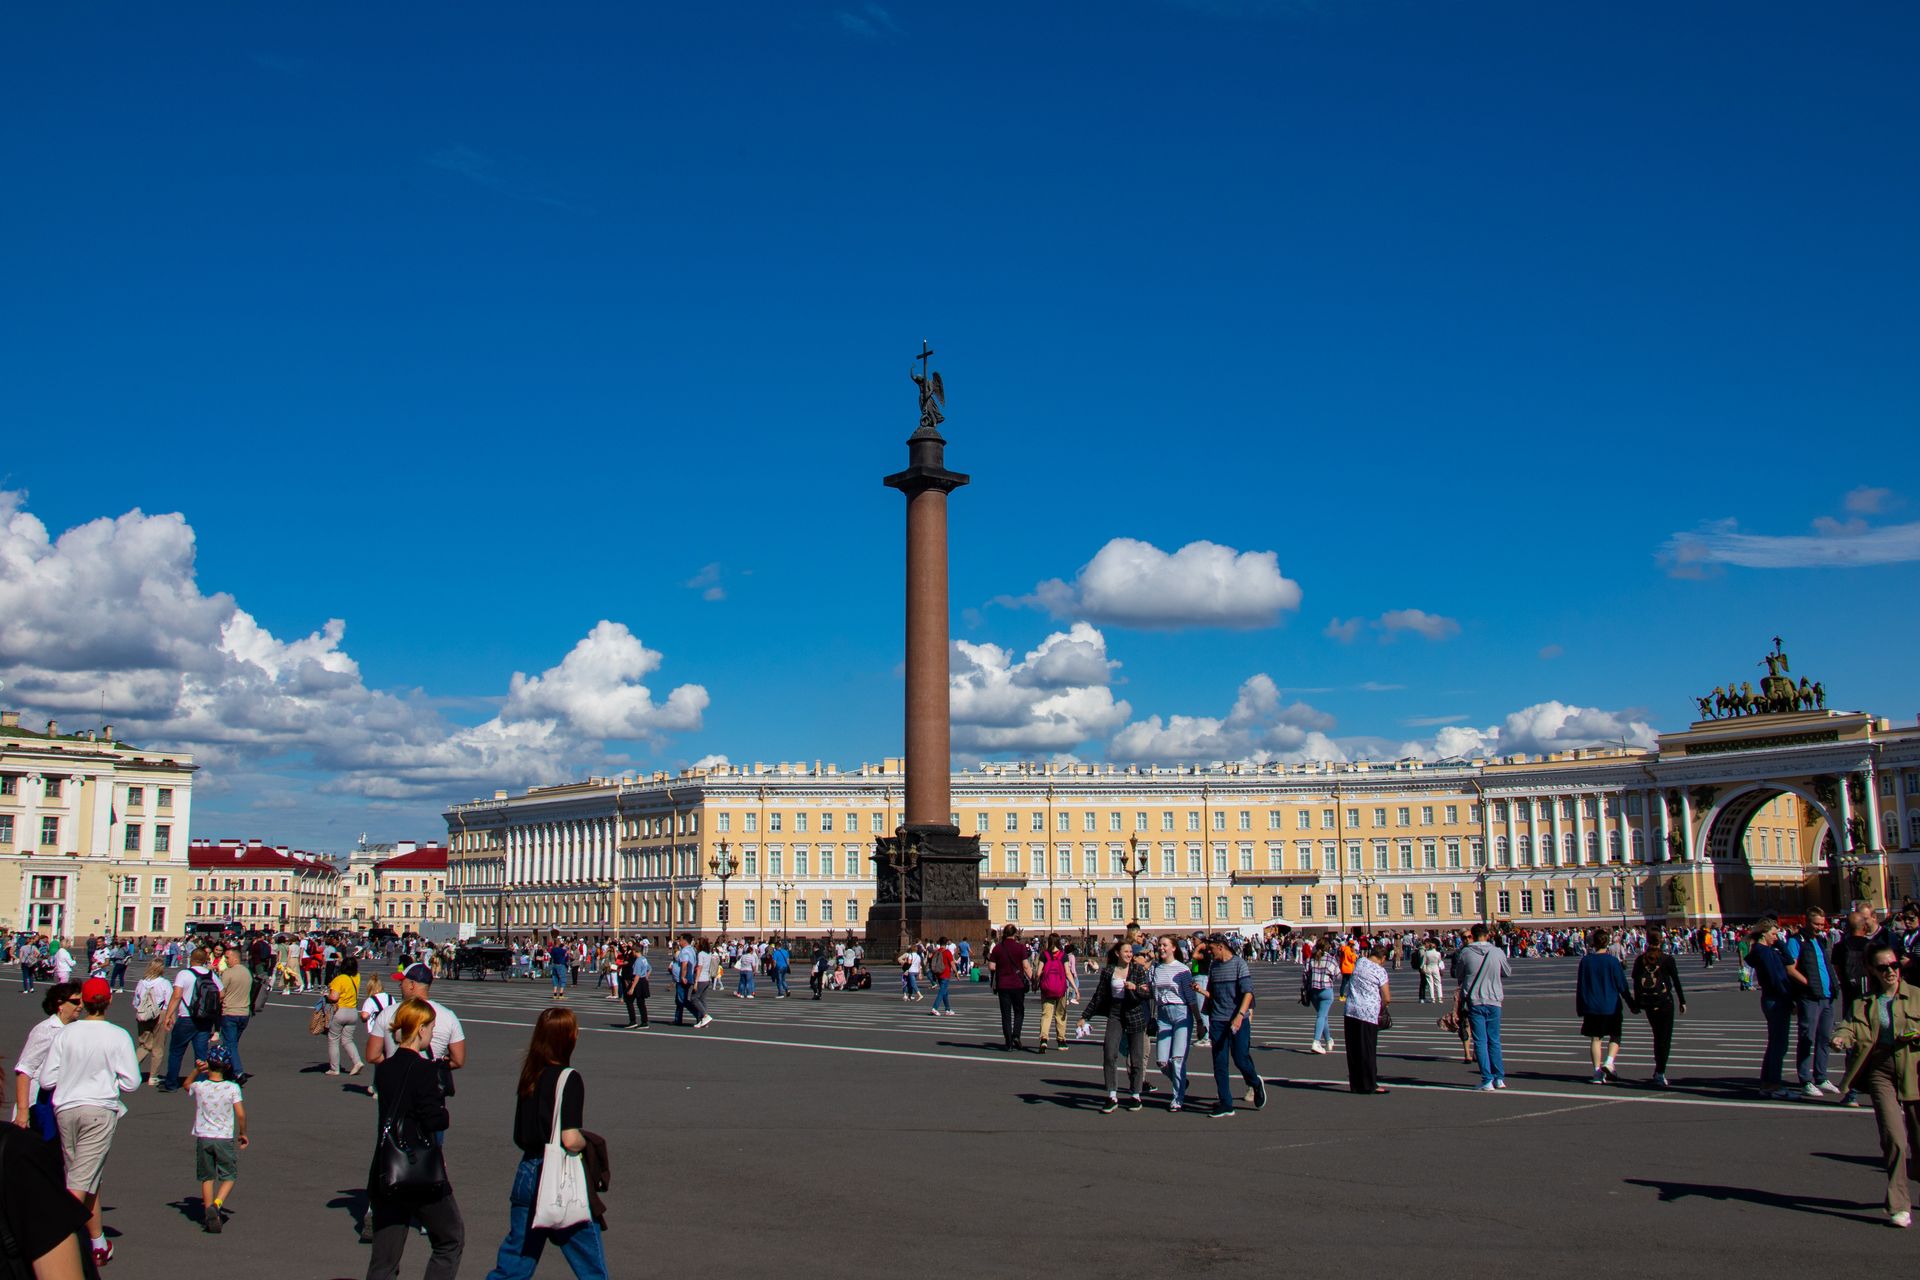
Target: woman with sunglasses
x=61 y=1004
x=1882 y=1041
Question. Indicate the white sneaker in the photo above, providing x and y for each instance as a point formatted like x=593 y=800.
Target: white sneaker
x=1828 y=1086
x=1901 y=1219
x=1811 y=1092
x=703 y=1022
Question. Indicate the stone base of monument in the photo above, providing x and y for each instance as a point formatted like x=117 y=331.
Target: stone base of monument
x=942 y=893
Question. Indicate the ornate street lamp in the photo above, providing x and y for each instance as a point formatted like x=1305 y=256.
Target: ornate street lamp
x=1366 y=884
x=903 y=857
x=1136 y=866
x=1086 y=916
x=785 y=887
x=722 y=864
x=1622 y=876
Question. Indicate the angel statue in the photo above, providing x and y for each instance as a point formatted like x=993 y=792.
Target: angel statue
x=932 y=395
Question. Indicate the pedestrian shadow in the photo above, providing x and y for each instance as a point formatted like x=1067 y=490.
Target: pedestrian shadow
x=1672 y=1192
x=192 y=1208
x=1076 y=1098
x=1870 y=1162
x=354 y=1200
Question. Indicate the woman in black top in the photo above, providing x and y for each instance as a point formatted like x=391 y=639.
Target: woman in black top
x=1124 y=993
x=548 y=1054
x=1657 y=990
x=408 y=1088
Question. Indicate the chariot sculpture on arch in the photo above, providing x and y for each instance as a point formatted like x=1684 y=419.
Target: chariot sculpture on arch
x=1777 y=694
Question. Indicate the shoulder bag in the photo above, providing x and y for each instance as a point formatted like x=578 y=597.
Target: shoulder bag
x=561 y=1200
x=407 y=1166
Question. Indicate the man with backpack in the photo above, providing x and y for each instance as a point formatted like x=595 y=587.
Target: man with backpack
x=1056 y=991
x=29 y=958
x=940 y=969
x=192 y=1016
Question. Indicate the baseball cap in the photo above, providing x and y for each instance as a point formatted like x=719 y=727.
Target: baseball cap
x=217 y=1056
x=419 y=973
x=95 y=991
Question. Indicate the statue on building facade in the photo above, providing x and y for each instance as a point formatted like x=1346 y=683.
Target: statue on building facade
x=1777 y=693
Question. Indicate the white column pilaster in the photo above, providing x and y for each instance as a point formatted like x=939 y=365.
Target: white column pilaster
x=1666 y=832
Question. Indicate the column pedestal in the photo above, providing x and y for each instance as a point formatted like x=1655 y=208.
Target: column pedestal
x=942 y=893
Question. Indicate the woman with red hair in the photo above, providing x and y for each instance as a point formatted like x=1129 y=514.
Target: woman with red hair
x=542 y=1072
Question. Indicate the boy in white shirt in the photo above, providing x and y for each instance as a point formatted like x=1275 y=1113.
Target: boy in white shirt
x=219 y=1133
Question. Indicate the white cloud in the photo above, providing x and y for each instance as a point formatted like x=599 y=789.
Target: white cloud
x=1261 y=728
x=713 y=761
x=1053 y=699
x=113 y=608
x=1392 y=624
x=1537 y=730
x=1130 y=583
x=707 y=582
x=1869 y=501
x=1432 y=626
x=1833 y=544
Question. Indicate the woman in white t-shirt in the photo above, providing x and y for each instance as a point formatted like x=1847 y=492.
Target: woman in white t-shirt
x=150 y=996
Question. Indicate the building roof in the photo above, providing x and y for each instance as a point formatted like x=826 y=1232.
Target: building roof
x=217 y=855
x=428 y=857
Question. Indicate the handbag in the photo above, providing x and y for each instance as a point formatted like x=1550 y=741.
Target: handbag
x=1386 y=1019
x=317 y=1020
x=561 y=1200
x=401 y=1167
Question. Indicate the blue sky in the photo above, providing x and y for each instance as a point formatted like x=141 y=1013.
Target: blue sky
x=1524 y=367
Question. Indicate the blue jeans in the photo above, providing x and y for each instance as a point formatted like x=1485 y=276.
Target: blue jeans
x=520 y=1251
x=909 y=984
x=185 y=1032
x=26 y=977
x=1322 y=1006
x=780 y=982
x=1170 y=1042
x=1237 y=1046
x=940 y=1000
x=680 y=1002
x=1778 y=1011
x=1816 y=1028
x=746 y=982
x=560 y=979
x=230 y=1031
x=1485 y=1021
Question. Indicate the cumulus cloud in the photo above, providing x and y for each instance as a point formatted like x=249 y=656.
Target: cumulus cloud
x=1537 y=730
x=114 y=609
x=1053 y=699
x=713 y=761
x=1261 y=728
x=1393 y=624
x=1130 y=583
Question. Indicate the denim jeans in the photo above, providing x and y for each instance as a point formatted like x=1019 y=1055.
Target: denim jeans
x=231 y=1030
x=1485 y=1021
x=746 y=982
x=1322 y=1006
x=1778 y=1011
x=909 y=984
x=1232 y=1049
x=680 y=1002
x=1170 y=1043
x=1816 y=1028
x=26 y=977
x=940 y=1000
x=185 y=1032
x=520 y=1251
x=780 y=982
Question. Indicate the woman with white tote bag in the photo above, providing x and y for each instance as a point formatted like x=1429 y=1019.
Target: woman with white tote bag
x=549 y=1197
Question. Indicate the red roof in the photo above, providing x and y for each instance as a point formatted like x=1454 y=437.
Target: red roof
x=219 y=855
x=431 y=857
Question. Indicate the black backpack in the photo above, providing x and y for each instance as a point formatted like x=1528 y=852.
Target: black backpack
x=203 y=1005
x=1651 y=989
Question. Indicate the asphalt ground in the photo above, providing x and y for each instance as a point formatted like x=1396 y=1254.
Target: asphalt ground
x=858 y=1136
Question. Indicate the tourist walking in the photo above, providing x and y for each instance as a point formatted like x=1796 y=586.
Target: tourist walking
x=88 y=1067
x=192 y=1016
x=705 y=968
x=1432 y=988
x=557 y=967
x=29 y=958
x=1007 y=968
x=1810 y=970
x=150 y=996
x=219 y=1134
x=1882 y=1040
x=344 y=1018
x=1480 y=972
x=1369 y=993
x=1771 y=975
x=1229 y=1007
x=33 y=1102
x=414 y=1109
x=940 y=969
x=236 y=1010
x=1601 y=998
x=635 y=979
x=1176 y=1008
x=1123 y=995
x=547 y=1081
x=1318 y=984
x=1056 y=983
x=1658 y=994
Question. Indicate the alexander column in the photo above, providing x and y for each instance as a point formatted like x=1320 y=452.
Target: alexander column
x=928 y=874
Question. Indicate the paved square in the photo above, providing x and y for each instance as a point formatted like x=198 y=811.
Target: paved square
x=858 y=1136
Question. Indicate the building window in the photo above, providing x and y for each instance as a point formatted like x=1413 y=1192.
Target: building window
x=1359 y=905
x=49 y=831
x=1454 y=903
x=1306 y=906
x=1219 y=820
x=162 y=837
x=1379 y=818
x=1169 y=906
x=1333 y=905
x=1505 y=899
x=773 y=822
x=1246 y=906
x=9 y=784
x=1193 y=907
x=1406 y=904
x=800 y=911
x=157 y=920
x=1279 y=905
x=1039 y=821
x=163 y=796
x=723 y=823
x=1526 y=902
x=1013 y=909
x=6 y=828
x=1013 y=822
x=1547 y=901
x=1090 y=821
x=1303 y=821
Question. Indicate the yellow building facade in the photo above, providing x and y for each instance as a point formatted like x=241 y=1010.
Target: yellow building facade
x=93 y=833
x=1724 y=821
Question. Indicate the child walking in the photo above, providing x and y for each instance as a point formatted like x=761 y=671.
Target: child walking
x=219 y=1133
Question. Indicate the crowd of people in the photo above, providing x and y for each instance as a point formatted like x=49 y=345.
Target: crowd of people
x=1852 y=990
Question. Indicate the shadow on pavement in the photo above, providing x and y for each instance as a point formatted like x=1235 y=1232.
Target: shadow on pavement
x=1851 y=1210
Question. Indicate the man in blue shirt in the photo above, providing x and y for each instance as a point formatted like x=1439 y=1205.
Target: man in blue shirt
x=1810 y=970
x=1770 y=974
x=1229 y=1006
x=782 y=961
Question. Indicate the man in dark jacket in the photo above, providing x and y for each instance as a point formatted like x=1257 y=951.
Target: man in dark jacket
x=1811 y=974
x=1776 y=1004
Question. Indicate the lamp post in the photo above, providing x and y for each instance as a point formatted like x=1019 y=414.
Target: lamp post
x=903 y=857
x=722 y=865
x=1366 y=884
x=785 y=887
x=1480 y=883
x=1622 y=876
x=1086 y=915
x=1135 y=868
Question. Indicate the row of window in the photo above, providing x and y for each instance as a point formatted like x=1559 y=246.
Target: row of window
x=53 y=787
x=257 y=910
x=50 y=834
